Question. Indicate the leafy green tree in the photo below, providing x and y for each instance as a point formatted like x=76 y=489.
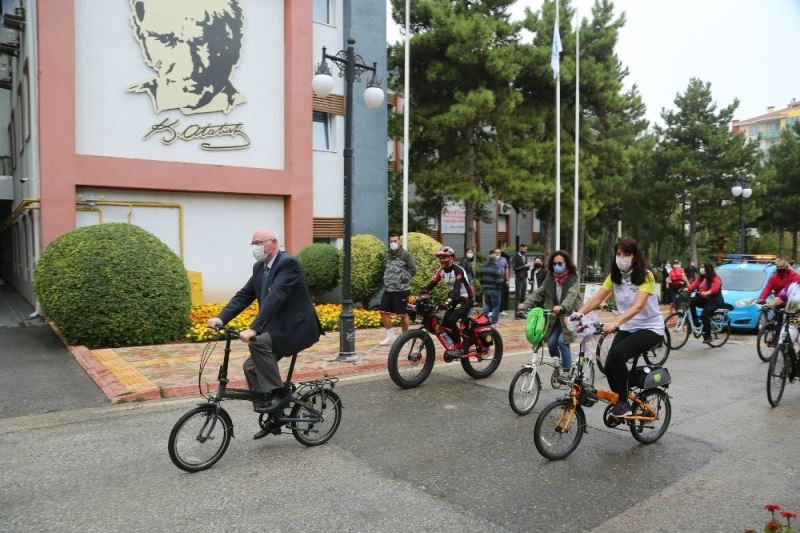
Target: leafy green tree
x=782 y=194
x=463 y=101
x=700 y=158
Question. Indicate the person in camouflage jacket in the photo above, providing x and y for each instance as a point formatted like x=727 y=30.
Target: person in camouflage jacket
x=399 y=268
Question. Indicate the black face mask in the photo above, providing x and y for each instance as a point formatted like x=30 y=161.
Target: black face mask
x=537 y=266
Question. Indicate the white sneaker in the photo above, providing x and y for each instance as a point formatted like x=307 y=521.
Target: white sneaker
x=389 y=340
x=504 y=313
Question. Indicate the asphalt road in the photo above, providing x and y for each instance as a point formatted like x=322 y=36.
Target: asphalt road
x=448 y=456
x=39 y=375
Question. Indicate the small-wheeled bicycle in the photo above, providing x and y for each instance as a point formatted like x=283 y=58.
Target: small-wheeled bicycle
x=562 y=423
x=412 y=354
x=785 y=361
x=523 y=393
x=201 y=436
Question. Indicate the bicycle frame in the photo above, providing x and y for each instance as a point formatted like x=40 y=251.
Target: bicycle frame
x=697 y=331
x=226 y=393
x=432 y=323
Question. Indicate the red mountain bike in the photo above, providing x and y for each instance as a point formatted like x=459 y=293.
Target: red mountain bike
x=412 y=354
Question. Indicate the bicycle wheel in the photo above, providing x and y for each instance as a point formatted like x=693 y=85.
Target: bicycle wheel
x=649 y=431
x=199 y=439
x=485 y=362
x=320 y=413
x=524 y=391
x=766 y=335
x=551 y=438
x=720 y=329
x=411 y=358
x=776 y=375
x=678 y=328
x=658 y=355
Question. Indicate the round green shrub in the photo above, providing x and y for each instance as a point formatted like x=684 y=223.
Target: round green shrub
x=423 y=248
x=113 y=285
x=320 y=264
x=366 y=266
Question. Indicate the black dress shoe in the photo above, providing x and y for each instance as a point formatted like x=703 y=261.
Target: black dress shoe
x=276 y=403
x=263 y=433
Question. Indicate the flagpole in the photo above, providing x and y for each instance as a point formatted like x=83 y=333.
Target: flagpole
x=406 y=109
x=577 y=135
x=558 y=144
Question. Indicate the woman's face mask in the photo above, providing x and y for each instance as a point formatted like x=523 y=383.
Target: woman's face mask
x=624 y=262
x=470 y=255
x=702 y=271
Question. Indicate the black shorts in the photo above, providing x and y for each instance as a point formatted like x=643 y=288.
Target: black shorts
x=395 y=302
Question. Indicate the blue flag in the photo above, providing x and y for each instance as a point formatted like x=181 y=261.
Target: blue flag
x=555 y=56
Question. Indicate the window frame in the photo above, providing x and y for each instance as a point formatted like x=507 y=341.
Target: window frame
x=328 y=137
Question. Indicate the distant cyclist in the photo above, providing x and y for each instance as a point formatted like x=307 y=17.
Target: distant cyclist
x=709 y=297
x=677 y=281
x=460 y=297
x=778 y=282
x=640 y=322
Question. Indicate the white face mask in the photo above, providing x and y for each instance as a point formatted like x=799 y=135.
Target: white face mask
x=469 y=256
x=394 y=245
x=624 y=263
x=702 y=271
x=258 y=252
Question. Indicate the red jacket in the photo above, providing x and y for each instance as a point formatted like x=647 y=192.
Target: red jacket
x=777 y=283
x=716 y=285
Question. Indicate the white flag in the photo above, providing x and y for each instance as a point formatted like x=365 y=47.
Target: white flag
x=555 y=56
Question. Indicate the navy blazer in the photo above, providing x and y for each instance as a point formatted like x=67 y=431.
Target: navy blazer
x=286 y=313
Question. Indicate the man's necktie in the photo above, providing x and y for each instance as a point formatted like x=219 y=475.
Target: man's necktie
x=264 y=286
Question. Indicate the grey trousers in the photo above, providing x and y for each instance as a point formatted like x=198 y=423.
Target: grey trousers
x=261 y=368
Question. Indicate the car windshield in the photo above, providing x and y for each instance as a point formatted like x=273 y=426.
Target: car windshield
x=742 y=280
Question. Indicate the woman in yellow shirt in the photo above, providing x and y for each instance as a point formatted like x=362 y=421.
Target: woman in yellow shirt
x=640 y=322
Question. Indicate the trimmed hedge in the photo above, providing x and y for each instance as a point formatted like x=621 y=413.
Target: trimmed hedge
x=113 y=285
x=423 y=248
x=320 y=264
x=366 y=266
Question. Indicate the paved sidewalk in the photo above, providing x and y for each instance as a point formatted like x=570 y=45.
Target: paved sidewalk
x=169 y=370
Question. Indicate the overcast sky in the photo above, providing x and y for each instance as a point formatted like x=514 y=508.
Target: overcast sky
x=747 y=49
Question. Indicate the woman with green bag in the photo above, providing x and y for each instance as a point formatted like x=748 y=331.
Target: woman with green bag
x=559 y=293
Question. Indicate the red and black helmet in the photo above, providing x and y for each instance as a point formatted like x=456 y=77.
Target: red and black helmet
x=445 y=251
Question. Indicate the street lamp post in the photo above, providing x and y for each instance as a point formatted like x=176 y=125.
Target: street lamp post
x=351 y=66
x=741 y=191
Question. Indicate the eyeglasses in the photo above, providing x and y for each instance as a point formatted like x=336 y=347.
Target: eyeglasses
x=558 y=263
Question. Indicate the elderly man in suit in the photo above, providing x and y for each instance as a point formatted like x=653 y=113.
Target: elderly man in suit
x=286 y=322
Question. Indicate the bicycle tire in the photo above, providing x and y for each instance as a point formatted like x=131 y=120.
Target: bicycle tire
x=414 y=358
x=523 y=398
x=776 y=375
x=494 y=355
x=720 y=330
x=677 y=324
x=765 y=336
x=184 y=453
x=547 y=433
x=328 y=404
x=658 y=356
x=658 y=400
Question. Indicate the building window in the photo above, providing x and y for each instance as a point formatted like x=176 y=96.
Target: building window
x=753 y=131
x=321 y=131
x=12 y=139
x=322 y=11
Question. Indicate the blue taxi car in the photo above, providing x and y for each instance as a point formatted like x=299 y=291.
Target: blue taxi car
x=743 y=279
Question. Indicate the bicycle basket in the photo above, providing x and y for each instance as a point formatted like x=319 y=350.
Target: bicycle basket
x=535 y=326
x=649 y=377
